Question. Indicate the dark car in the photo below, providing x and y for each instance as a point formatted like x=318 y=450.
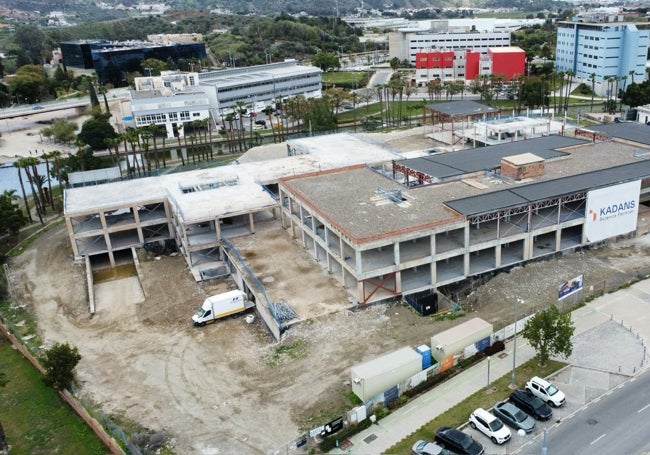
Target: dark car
x=514 y=417
x=260 y=122
x=531 y=405
x=458 y=442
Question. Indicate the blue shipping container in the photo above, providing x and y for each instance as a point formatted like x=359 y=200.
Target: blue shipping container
x=425 y=352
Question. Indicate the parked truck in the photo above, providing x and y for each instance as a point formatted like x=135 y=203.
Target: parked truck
x=221 y=305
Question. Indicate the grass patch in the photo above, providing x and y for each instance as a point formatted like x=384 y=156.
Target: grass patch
x=343 y=77
x=459 y=414
x=282 y=353
x=35 y=419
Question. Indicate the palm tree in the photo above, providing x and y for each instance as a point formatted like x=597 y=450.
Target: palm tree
x=632 y=76
x=569 y=74
x=592 y=78
x=46 y=157
x=18 y=165
x=354 y=97
x=26 y=163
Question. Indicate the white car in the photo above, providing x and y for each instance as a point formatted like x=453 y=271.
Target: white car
x=546 y=391
x=490 y=426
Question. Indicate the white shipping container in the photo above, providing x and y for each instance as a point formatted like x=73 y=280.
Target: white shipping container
x=378 y=375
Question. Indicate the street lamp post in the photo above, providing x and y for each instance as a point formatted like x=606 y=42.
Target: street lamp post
x=487 y=388
x=514 y=347
x=542 y=444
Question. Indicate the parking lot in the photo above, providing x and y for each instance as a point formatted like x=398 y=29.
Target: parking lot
x=581 y=384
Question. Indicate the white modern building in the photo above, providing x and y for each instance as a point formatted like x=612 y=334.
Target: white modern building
x=405 y=44
x=260 y=85
x=605 y=47
x=169 y=100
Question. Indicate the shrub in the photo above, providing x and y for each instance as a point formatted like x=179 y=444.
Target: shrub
x=59 y=362
x=497 y=346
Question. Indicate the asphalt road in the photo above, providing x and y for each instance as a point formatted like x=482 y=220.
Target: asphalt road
x=618 y=423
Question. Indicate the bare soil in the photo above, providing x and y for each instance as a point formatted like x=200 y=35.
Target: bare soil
x=228 y=388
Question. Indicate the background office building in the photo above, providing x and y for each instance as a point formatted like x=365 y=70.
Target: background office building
x=113 y=60
x=258 y=86
x=406 y=43
x=606 y=49
x=467 y=65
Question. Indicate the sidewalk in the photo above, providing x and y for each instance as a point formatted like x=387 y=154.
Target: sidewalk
x=404 y=421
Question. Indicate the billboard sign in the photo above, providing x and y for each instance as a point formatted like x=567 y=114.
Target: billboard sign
x=569 y=287
x=612 y=211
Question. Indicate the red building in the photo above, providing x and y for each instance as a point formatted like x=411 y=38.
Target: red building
x=467 y=65
x=507 y=61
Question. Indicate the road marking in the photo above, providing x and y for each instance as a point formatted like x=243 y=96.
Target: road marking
x=643 y=409
x=598 y=439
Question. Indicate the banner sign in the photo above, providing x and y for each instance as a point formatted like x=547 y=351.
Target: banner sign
x=569 y=287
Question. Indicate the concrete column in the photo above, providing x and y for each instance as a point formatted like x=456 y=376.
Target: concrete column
x=302 y=228
x=251 y=222
x=396 y=256
x=497 y=255
x=138 y=227
x=111 y=258
x=358 y=263
x=217 y=228
x=466 y=256
x=398 y=281
x=73 y=242
x=360 y=296
x=433 y=272
x=558 y=239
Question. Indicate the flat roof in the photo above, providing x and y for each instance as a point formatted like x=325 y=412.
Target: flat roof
x=505 y=49
x=317 y=154
x=447 y=165
x=461 y=331
x=357 y=201
x=523 y=158
x=386 y=362
x=522 y=195
x=630 y=131
x=240 y=76
x=352 y=201
x=461 y=108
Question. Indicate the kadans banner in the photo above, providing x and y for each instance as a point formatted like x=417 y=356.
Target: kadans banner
x=612 y=211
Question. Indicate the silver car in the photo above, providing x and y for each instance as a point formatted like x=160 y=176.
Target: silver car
x=513 y=416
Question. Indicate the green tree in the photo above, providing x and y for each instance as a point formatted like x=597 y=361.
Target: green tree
x=59 y=362
x=95 y=132
x=29 y=84
x=152 y=67
x=320 y=117
x=326 y=61
x=549 y=332
x=28 y=45
x=11 y=217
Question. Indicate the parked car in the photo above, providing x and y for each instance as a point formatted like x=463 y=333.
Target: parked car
x=261 y=122
x=489 y=425
x=458 y=442
x=428 y=448
x=531 y=405
x=546 y=391
x=513 y=416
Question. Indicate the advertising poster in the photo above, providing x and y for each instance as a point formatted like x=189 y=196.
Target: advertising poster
x=569 y=287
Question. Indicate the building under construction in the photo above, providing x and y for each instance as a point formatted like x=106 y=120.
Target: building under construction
x=382 y=225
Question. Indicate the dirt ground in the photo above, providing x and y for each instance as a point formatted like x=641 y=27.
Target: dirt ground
x=226 y=388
